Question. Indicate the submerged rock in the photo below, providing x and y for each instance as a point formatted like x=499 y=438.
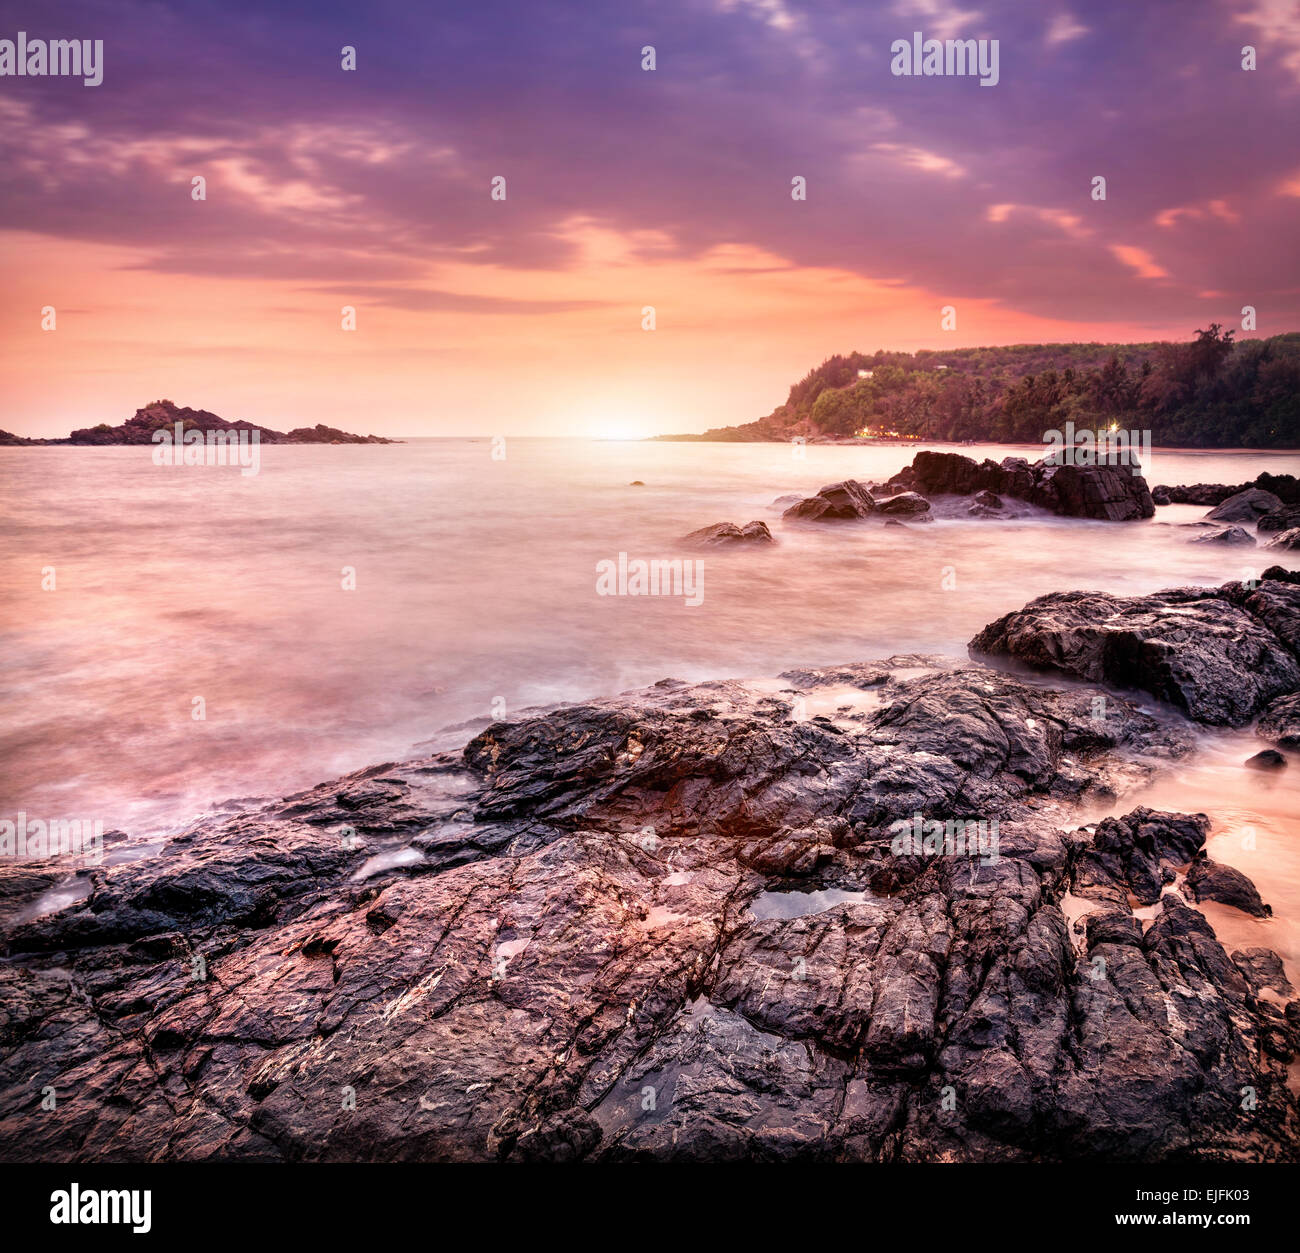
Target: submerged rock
x=1226 y=535
x=1289 y=540
x=1269 y=759
x=729 y=535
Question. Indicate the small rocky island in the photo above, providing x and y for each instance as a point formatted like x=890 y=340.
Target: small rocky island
x=678 y=925
x=164 y=415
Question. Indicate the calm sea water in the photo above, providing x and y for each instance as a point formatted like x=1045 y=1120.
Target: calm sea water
x=475 y=594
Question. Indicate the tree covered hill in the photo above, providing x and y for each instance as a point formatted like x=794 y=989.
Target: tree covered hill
x=1209 y=393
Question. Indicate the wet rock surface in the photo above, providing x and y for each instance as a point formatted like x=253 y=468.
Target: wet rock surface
x=1209 y=881
x=543 y=948
x=1220 y=654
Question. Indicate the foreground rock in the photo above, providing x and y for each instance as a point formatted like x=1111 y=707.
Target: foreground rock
x=1289 y=540
x=577 y=941
x=1109 y=491
x=1219 y=654
x=729 y=535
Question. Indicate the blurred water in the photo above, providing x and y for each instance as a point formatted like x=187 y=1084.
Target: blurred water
x=475 y=584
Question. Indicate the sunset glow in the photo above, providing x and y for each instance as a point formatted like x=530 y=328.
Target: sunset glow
x=371 y=189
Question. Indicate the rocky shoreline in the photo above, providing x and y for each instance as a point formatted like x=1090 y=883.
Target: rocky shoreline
x=708 y=922
x=1109 y=489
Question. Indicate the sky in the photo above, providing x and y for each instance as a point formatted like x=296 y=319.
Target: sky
x=624 y=188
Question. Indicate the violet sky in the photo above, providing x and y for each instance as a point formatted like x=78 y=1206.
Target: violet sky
x=626 y=188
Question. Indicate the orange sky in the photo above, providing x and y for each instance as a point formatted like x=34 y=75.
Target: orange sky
x=734 y=329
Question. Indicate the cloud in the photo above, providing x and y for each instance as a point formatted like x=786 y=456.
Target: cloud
x=381 y=176
x=1063 y=28
x=1139 y=260
x=428 y=300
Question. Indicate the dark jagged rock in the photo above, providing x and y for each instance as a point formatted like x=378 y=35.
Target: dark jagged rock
x=545 y=950
x=836 y=502
x=163 y=414
x=1138 y=855
x=1290 y=540
x=1286 y=487
x=1107 y=491
x=1221 y=655
x=1111 y=493
x=1283 y=519
x=990 y=500
x=1209 y=881
x=1226 y=535
x=729 y=535
x=1197 y=494
x=322 y=434
x=1280 y=722
x=1247 y=506
x=1279 y=575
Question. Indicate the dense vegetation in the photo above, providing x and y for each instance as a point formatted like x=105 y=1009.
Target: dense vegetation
x=1209 y=393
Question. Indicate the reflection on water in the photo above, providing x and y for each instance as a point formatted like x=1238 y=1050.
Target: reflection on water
x=800 y=904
